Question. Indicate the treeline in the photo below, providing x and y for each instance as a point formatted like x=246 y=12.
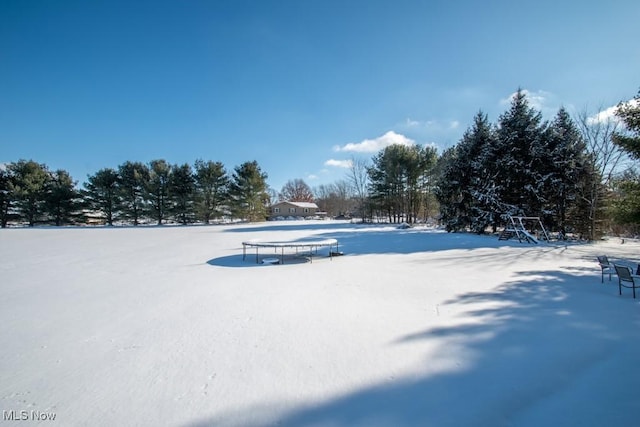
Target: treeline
x=521 y=166
x=133 y=193
x=563 y=171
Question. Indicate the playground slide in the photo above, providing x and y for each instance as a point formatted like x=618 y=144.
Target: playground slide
x=529 y=236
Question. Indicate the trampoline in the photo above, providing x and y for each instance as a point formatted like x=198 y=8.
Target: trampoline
x=311 y=243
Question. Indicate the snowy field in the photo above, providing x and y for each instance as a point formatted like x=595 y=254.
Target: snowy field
x=168 y=326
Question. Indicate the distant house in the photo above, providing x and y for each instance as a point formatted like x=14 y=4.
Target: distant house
x=283 y=210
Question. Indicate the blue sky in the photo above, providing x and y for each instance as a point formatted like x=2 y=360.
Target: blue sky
x=299 y=86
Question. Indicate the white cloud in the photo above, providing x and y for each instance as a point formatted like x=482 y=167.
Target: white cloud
x=609 y=114
x=312 y=177
x=375 y=145
x=538 y=99
x=338 y=163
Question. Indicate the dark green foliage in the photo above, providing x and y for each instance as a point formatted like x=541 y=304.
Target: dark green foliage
x=212 y=187
x=157 y=189
x=102 y=194
x=522 y=167
x=135 y=193
x=626 y=205
x=448 y=191
x=566 y=173
x=629 y=113
x=29 y=189
x=428 y=181
x=62 y=201
x=182 y=192
x=248 y=192
x=518 y=159
x=626 y=208
x=467 y=190
x=397 y=179
x=134 y=178
x=6 y=195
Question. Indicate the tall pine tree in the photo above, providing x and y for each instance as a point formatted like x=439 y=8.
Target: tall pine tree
x=629 y=113
x=566 y=168
x=248 y=192
x=29 y=188
x=62 y=200
x=102 y=194
x=467 y=190
x=182 y=191
x=157 y=189
x=212 y=189
x=518 y=157
x=6 y=195
x=134 y=177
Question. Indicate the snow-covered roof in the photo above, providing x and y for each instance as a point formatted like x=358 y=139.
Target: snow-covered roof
x=300 y=204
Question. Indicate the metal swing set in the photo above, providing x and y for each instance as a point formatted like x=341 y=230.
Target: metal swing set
x=515 y=228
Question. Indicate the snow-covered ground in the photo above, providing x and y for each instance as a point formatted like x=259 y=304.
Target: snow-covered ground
x=168 y=326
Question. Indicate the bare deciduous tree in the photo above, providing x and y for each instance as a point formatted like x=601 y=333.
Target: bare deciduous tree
x=358 y=179
x=296 y=190
x=597 y=131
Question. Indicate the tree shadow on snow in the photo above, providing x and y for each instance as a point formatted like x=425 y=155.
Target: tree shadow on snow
x=391 y=240
x=292 y=226
x=527 y=355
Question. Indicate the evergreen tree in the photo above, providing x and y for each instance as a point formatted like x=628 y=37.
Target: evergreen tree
x=566 y=170
x=6 y=195
x=385 y=182
x=248 y=192
x=212 y=187
x=102 y=193
x=626 y=205
x=629 y=113
x=480 y=200
x=448 y=191
x=396 y=181
x=182 y=191
x=427 y=181
x=61 y=198
x=627 y=208
x=29 y=185
x=134 y=177
x=518 y=157
x=467 y=190
x=157 y=189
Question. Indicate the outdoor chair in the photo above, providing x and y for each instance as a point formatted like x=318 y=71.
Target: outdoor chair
x=626 y=279
x=605 y=266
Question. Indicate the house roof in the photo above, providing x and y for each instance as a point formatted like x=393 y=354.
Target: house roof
x=299 y=204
